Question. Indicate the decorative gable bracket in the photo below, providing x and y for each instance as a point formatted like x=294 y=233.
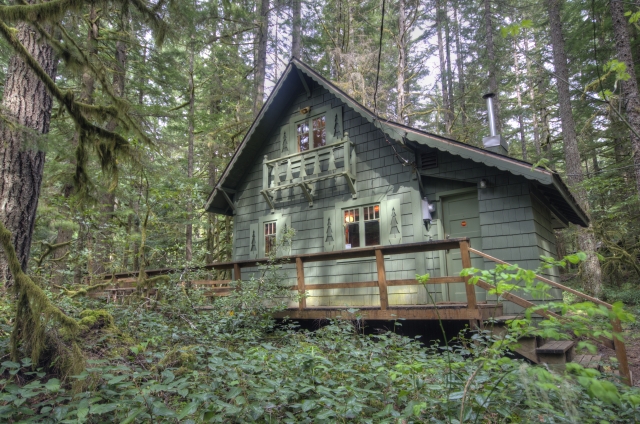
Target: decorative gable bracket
x=304 y=169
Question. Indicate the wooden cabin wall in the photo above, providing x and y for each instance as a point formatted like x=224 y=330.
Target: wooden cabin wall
x=515 y=226
x=379 y=174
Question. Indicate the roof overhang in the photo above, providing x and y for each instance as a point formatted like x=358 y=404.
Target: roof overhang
x=547 y=182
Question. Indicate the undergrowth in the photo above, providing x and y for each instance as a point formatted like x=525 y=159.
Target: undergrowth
x=169 y=360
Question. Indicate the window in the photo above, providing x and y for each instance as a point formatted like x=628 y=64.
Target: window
x=367 y=229
x=318 y=136
x=269 y=237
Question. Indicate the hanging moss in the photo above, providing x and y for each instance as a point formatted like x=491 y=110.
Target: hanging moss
x=34 y=311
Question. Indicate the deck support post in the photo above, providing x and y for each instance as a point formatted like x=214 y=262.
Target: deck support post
x=621 y=352
x=237 y=274
x=469 y=288
x=302 y=304
x=382 y=280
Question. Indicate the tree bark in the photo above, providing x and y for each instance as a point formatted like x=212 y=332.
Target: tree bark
x=532 y=98
x=448 y=119
x=27 y=103
x=296 y=29
x=189 y=227
x=460 y=66
x=402 y=62
x=629 y=87
x=102 y=247
x=492 y=60
x=261 y=56
x=592 y=275
x=516 y=67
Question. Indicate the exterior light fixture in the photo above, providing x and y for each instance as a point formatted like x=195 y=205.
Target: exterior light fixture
x=483 y=183
x=427 y=210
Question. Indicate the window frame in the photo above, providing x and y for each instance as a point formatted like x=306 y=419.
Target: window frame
x=333 y=128
x=359 y=211
x=308 y=119
x=390 y=229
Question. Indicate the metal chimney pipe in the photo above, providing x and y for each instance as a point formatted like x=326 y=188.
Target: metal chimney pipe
x=492 y=116
x=494 y=142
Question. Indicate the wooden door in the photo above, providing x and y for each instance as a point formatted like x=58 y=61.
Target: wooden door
x=460 y=218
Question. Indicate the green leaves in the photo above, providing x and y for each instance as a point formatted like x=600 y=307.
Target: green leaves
x=514 y=29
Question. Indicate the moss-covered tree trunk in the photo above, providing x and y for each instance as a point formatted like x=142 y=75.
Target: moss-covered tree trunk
x=27 y=103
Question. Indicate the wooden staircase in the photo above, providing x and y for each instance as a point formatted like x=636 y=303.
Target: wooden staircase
x=553 y=353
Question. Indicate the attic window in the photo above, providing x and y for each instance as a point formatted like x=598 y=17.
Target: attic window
x=315 y=138
x=428 y=160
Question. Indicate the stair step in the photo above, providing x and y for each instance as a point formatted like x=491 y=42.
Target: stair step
x=556 y=354
x=589 y=361
x=556 y=347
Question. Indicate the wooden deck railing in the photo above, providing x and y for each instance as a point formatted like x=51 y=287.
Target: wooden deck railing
x=471 y=311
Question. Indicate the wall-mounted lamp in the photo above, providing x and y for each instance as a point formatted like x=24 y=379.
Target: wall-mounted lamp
x=483 y=183
x=427 y=210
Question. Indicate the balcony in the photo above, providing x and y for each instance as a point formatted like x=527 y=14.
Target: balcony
x=304 y=169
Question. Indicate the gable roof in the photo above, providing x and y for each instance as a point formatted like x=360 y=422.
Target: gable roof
x=548 y=183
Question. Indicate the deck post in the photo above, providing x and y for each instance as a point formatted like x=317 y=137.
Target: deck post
x=621 y=352
x=300 y=273
x=237 y=275
x=469 y=288
x=382 y=280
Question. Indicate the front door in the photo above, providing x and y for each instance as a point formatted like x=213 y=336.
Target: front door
x=460 y=218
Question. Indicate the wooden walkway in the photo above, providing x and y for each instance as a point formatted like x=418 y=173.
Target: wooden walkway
x=471 y=310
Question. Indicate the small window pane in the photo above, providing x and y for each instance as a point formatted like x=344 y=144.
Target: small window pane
x=302 y=132
x=372 y=225
x=269 y=237
x=371 y=233
x=319 y=132
x=352 y=227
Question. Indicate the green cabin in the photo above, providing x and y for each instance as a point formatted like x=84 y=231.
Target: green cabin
x=317 y=161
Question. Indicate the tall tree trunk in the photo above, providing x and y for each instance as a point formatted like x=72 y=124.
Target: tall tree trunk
x=460 y=66
x=516 y=68
x=189 y=229
x=402 y=62
x=261 y=56
x=448 y=119
x=65 y=234
x=592 y=276
x=532 y=98
x=447 y=48
x=102 y=246
x=296 y=29
x=493 y=66
x=27 y=103
x=630 y=86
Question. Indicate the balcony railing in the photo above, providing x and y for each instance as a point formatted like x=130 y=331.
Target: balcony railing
x=304 y=169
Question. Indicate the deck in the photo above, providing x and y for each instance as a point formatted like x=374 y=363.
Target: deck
x=472 y=311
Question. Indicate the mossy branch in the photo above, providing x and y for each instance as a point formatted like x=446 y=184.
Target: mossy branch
x=32 y=305
x=40 y=12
